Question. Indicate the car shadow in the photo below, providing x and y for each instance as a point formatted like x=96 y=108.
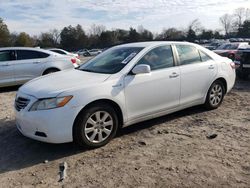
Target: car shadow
x=18 y=152
x=9 y=89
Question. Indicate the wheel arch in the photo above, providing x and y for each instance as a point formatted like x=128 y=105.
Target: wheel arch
x=223 y=80
x=50 y=68
x=110 y=102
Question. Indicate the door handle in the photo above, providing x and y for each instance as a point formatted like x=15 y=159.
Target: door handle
x=174 y=75
x=211 y=67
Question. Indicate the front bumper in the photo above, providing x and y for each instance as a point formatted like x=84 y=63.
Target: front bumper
x=56 y=124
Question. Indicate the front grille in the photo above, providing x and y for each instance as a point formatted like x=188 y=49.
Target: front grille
x=21 y=103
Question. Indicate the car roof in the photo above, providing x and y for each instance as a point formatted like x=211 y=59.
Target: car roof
x=153 y=43
x=54 y=49
x=29 y=48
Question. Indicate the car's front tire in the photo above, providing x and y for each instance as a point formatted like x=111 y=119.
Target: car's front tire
x=95 y=126
x=215 y=95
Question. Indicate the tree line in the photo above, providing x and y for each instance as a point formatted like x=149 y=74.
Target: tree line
x=74 y=38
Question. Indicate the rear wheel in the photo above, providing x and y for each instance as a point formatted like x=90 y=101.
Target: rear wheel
x=95 y=126
x=215 y=95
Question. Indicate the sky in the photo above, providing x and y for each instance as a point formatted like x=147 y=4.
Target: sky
x=36 y=16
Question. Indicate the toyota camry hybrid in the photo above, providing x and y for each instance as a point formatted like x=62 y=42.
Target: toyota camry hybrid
x=124 y=85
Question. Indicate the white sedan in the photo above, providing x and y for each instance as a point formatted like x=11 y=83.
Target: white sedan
x=124 y=85
x=21 y=64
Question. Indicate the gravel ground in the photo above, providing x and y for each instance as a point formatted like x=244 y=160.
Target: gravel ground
x=171 y=151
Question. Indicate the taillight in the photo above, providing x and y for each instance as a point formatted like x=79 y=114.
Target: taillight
x=231 y=56
x=73 y=60
x=234 y=65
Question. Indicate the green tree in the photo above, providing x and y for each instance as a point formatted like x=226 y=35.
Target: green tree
x=206 y=34
x=107 y=39
x=191 y=35
x=4 y=34
x=133 y=35
x=23 y=39
x=49 y=39
x=244 y=31
x=171 y=34
x=73 y=38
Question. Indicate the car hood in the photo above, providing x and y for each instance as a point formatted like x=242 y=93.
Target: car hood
x=53 y=84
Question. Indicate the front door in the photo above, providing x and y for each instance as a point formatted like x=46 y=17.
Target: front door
x=156 y=91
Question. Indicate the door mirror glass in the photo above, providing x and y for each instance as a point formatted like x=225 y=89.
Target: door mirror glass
x=141 y=69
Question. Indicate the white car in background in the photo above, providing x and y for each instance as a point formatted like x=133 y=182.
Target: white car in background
x=20 y=64
x=94 y=52
x=64 y=52
x=124 y=85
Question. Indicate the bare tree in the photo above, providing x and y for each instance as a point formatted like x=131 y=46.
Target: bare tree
x=195 y=25
x=226 y=22
x=247 y=14
x=240 y=16
x=96 y=30
x=55 y=35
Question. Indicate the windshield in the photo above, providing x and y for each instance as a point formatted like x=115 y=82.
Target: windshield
x=111 y=61
x=228 y=47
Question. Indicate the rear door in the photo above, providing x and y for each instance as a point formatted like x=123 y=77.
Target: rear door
x=197 y=72
x=6 y=70
x=29 y=64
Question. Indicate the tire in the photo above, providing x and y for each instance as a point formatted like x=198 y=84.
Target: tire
x=90 y=132
x=49 y=71
x=215 y=95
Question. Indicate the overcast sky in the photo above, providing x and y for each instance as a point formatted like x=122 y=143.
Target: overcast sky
x=35 y=16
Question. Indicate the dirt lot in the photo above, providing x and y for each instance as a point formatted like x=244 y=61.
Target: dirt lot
x=171 y=151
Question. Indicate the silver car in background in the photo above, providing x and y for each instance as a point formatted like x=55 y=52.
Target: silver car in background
x=21 y=64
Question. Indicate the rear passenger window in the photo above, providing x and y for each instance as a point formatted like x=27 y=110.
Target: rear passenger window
x=58 y=51
x=29 y=54
x=188 y=54
x=7 y=55
x=204 y=57
x=158 y=58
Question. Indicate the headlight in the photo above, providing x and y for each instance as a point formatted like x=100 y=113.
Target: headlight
x=45 y=104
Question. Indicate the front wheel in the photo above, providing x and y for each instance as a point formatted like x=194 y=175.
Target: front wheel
x=215 y=95
x=95 y=126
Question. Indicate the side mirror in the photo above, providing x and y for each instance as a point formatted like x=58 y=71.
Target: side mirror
x=141 y=69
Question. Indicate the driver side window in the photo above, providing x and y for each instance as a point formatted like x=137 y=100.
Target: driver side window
x=158 y=58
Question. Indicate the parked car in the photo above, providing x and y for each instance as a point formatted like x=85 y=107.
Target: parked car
x=64 y=52
x=242 y=58
x=213 y=45
x=94 y=52
x=83 y=52
x=124 y=85
x=19 y=64
x=229 y=49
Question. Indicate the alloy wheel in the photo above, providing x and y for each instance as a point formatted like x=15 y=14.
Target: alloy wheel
x=216 y=95
x=98 y=127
